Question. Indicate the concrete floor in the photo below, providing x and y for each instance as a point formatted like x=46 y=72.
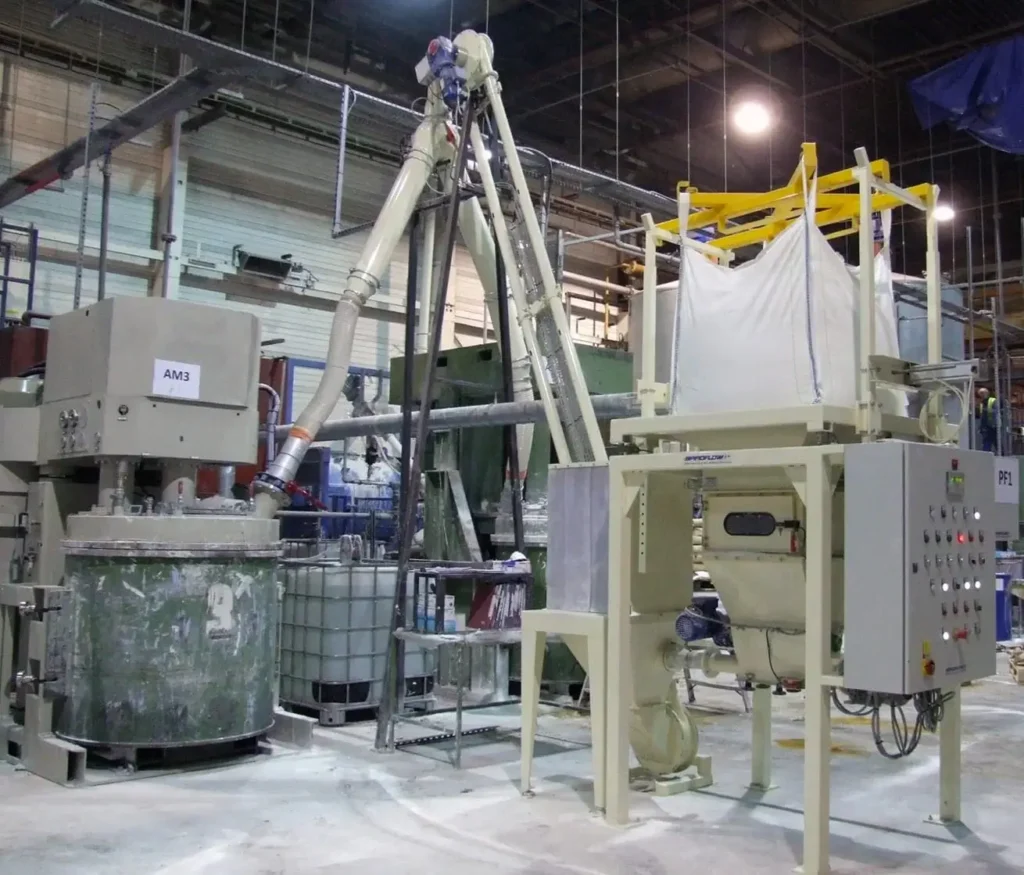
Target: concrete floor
x=340 y=808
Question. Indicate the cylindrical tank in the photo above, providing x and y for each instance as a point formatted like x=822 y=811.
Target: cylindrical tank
x=172 y=629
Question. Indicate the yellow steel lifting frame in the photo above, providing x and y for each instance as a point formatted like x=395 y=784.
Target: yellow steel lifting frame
x=746 y=218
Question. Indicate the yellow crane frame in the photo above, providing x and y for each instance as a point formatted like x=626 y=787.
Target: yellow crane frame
x=745 y=218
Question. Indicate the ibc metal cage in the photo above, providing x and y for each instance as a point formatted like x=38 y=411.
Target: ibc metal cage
x=334 y=633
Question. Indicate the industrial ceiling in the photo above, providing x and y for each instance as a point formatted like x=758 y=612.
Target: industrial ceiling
x=642 y=91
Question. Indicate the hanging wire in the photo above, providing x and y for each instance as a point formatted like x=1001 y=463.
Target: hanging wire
x=874 y=90
x=581 y=86
x=277 y=15
x=952 y=198
x=616 y=91
x=451 y=20
x=803 y=64
x=899 y=159
x=981 y=218
x=842 y=147
x=309 y=35
x=771 y=131
x=725 y=110
x=487 y=16
x=689 y=90
x=245 y=13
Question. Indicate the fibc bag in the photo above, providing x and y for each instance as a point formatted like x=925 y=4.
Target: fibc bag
x=777 y=331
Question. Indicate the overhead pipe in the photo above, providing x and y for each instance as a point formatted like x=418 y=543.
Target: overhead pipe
x=614 y=406
x=585 y=280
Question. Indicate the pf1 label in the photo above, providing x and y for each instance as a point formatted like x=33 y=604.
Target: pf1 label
x=1007 y=490
x=176 y=379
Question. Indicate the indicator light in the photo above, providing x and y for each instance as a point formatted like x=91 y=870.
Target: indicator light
x=945 y=635
x=960 y=538
x=945 y=586
x=967 y=584
x=977 y=514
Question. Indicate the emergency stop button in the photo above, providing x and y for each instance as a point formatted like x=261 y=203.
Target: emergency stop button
x=927 y=667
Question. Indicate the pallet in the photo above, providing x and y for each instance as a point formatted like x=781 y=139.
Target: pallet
x=339 y=715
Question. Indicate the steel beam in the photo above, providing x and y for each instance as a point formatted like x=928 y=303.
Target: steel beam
x=178 y=95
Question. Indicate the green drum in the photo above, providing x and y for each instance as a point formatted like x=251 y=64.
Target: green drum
x=170 y=643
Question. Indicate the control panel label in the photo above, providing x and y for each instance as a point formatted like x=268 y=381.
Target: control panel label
x=1006 y=480
x=176 y=379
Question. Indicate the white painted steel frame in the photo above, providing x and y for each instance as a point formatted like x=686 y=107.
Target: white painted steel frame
x=814 y=472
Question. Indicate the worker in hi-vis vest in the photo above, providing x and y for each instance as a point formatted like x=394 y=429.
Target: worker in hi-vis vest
x=986 y=416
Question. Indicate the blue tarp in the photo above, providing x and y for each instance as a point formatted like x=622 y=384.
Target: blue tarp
x=981 y=93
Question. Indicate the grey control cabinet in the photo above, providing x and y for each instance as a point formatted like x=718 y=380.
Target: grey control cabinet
x=919 y=567
x=133 y=377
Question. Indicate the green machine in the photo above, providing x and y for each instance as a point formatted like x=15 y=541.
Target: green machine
x=467 y=513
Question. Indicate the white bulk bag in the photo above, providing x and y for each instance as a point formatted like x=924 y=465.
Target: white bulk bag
x=778 y=331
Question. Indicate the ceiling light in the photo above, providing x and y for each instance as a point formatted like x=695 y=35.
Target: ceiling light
x=752 y=118
x=944 y=213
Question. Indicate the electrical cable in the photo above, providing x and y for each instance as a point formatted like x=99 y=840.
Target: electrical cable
x=930 y=707
x=768 y=646
x=860 y=712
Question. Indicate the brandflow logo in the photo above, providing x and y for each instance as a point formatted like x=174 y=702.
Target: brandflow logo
x=706 y=459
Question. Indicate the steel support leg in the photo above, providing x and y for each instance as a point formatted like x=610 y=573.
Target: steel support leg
x=622 y=496
x=818 y=738
x=761 y=763
x=532 y=674
x=597 y=653
x=949 y=761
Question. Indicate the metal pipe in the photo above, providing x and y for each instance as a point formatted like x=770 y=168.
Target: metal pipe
x=225 y=480
x=970 y=324
x=615 y=406
x=336 y=514
x=84 y=209
x=425 y=289
x=4 y=285
x=101 y=276
x=514 y=469
x=585 y=280
x=179 y=485
x=33 y=255
x=615 y=234
x=634 y=250
x=273 y=415
x=710 y=660
x=995 y=387
x=405 y=491
x=339 y=179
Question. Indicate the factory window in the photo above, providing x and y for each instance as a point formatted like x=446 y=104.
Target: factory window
x=750 y=524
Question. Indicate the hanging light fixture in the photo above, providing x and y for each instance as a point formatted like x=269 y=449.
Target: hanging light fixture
x=944 y=213
x=751 y=117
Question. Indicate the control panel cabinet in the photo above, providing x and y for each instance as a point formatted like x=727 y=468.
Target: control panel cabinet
x=919 y=567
